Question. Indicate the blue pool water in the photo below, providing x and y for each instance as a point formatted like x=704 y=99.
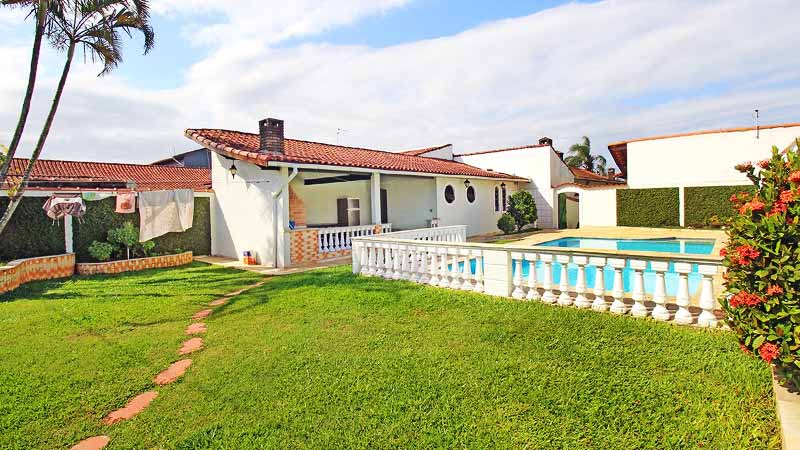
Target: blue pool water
x=684 y=246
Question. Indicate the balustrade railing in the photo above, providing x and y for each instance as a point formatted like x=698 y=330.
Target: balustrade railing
x=665 y=287
x=341 y=238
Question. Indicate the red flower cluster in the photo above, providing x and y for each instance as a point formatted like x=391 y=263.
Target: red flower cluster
x=769 y=351
x=742 y=256
x=787 y=197
x=744 y=167
x=753 y=205
x=774 y=290
x=794 y=177
x=745 y=299
x=764 y=164
x=745 y=349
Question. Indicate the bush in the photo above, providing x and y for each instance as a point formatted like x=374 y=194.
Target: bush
x=31 y=233
x=763 y=260
x=124 y=237
x=507 y=223
x=658 y=207
x=709 y=206
x=101 y=251
x=522 y=209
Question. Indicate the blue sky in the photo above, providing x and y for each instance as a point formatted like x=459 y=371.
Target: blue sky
x=410 y=73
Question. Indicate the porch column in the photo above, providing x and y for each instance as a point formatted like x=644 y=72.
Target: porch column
x=282 y=218
x=375 y=198
x=68 y=239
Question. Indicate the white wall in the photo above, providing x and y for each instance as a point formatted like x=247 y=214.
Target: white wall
x=598 y=207
x=480 y=217
x=242 y=210
x=540 y=164
x=701 y=160
x=411 y=201
x=442 y=153
x=320 y=199
x=573 y=212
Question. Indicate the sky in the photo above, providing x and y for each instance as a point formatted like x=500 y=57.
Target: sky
x=400 y=74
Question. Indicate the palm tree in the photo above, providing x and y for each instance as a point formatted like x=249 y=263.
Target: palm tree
x=580 y=155
x=38 y=8
x=94 y=26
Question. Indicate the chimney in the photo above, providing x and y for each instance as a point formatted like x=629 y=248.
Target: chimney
x=271 y=135
x=612 y=172
x=546 y=141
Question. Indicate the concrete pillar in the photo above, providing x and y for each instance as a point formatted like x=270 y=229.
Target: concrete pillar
x=68 y=237
x=282 y=219
x=497 y=272
x=375 y=197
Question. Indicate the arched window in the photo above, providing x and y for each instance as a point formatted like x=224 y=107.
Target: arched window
x=496 y=199
x=449 y=194
x=504 y=194
x=471 y=194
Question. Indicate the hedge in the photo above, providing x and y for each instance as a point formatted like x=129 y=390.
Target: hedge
x=100 y=217
x=30 y=233
x=702 y=203
x=658 y=207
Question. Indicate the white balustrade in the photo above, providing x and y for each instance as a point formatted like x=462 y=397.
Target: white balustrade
x=334 y=239
x=440 y=257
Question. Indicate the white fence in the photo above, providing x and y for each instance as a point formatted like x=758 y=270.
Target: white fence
x=665 y=287
x=340 y=238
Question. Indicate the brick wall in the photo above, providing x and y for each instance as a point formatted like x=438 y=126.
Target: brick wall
x=297 y=209
x=23 y=271
x=132 y=265
x=304 y=247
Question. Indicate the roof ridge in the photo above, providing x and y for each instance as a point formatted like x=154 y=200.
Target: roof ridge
x=111 y=163
x=497 y=150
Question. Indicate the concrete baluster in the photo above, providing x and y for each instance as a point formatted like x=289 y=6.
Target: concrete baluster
x=580 y=283
x=533 y=292
x=683 y=316
x=564 y=299
x=638 y=309
x=618 y=306
x=707 y=301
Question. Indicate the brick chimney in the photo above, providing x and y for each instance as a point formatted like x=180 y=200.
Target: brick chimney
x=271 y=135
x=546 y=141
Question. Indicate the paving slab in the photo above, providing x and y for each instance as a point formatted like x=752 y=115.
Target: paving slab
x=175 y=371
x=93 y=443
x=196 y=328
x=134 y=407
x=202 y=314
x=191 y=346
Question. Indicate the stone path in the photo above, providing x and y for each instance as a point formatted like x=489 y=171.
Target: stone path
x=173 y=373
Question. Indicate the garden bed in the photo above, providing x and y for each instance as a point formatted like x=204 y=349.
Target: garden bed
x=132 y=265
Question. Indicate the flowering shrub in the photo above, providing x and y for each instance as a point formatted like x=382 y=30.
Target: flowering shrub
x=762 y=301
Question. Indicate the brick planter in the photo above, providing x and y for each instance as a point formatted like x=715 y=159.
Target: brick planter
x=23 y=271
x=132 y=265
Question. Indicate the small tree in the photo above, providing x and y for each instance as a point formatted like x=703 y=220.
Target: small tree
x=126 y=236
x=522 y=208
x=506 y=223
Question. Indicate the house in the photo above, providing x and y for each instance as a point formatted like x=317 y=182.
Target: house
x=197 y=159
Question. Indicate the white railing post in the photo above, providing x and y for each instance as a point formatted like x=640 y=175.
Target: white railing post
x=466 y=273
x=547 y=282
x=683 y=316
x=389 y=266
x=599 y=291
x=434 y=278
x=533 y=292
x=444 y=273
x=478 y=271
x=660 y=311
x=424 y=272
x=707 y=318
x=518 y=292
x=371 y=257
x=618 y=306
x=564 y=299
x=399 y=262
x=455 y=283
x=580 y=283
x=414 y=264
x=358 y=259
x=638 y=309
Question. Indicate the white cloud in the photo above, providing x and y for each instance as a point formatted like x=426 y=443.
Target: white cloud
x=613 y=70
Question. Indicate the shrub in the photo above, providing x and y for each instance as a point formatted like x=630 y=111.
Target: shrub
x=708 y=206
x=507 y=223
x=763 y=260
x=101 y=251
x=126 y=236
x=659 y=207
x=522 y=209
x=31 y=233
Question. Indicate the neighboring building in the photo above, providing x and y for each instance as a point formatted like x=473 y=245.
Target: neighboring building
x=198 y=159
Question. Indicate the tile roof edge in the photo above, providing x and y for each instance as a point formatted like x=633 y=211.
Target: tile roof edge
x=499 y=150
x=115 y=164
x=704 y=132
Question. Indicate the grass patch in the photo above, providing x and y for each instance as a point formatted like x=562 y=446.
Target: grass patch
x=328 y=360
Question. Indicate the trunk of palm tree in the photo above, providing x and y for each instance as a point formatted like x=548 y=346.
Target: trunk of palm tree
x=15 y=200
x=26 y=102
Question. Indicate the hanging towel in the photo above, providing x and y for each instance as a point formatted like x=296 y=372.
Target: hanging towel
x=126 y=202
x=56 y=207
x=95 y=196
x=162 y=212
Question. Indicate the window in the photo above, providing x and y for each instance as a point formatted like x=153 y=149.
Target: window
x=449 y=194
x=505 y=196
x=471 y=194
x=496 y=199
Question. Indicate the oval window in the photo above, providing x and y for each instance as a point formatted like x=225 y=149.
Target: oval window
x=471 y=194
x=449 y=194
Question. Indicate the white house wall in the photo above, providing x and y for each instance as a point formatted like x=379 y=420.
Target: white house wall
x=701 y=160
x=598 y=207
x=320 y=199
x=243 y=209
x=480 y=216
x=411 y=201
x=442 y=153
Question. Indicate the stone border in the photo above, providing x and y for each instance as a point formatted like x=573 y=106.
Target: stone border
x=132 y=265
x=22 y=271
x=787 y=404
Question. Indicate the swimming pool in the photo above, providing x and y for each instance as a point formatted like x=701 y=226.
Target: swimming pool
x=668 y=245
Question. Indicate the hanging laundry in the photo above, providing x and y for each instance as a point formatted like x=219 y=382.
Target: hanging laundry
x=162 y=212
x=126 y=202
x=56 y=207
x=95 y=196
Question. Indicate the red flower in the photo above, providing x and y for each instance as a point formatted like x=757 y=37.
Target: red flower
x=744 y=167
x=778 y=208
x=745 y=255
x=795 y=177
x=787 y=197
x=734 y=198
x=774 y=290
x=745 y=349
x=745 y=299
x=723 y=252
x=764 y=164
x=769 y=351
x=752 y=205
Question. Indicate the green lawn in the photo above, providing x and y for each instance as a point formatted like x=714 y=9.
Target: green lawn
x=328 y=360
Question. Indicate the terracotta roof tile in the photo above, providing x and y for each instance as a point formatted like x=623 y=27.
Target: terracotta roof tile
x=245 y=146
x=584 y=174
x=56 y=174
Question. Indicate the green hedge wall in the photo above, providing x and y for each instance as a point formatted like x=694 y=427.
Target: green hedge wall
x=701 y=203
x=100 y=217
x=30 y=233
x=648 y=207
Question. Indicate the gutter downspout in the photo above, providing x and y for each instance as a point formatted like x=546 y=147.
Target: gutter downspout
x=275 y=214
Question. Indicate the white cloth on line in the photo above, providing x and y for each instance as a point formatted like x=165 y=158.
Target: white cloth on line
x=162 y=212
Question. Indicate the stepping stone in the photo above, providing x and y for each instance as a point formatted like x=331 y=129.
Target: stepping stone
x=175 y=371
x=219 y=302
x=191 y=346
x=202 y=314
x=196 y=328
x=134 y=407
x=93 y=443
